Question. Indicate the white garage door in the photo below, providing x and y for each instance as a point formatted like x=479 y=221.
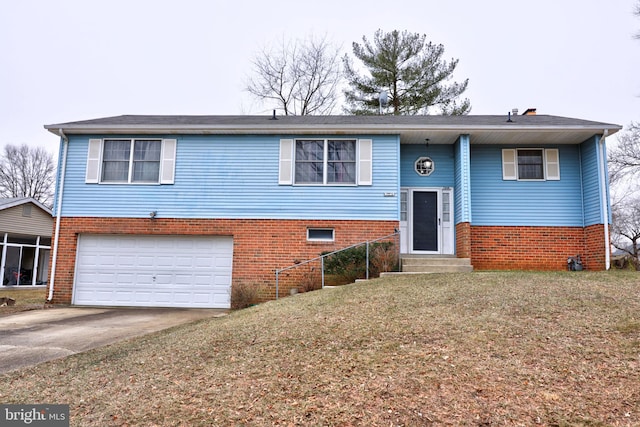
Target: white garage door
x=153 y=271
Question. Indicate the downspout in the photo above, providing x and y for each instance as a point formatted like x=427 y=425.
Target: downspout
x=58 y=213
x=605 y=204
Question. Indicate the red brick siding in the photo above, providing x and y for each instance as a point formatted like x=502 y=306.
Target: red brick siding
x=594 y=253
x=259 y=246
x=535 y=248
x=463 y=240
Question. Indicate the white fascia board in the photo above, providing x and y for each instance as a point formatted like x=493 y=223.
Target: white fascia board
x=288 y=129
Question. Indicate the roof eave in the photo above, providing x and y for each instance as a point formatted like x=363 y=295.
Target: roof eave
x=323 y=128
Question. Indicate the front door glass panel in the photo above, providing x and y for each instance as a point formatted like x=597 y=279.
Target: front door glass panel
x=425 y=221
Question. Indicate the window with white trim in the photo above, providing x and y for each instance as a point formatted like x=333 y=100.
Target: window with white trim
x=131 y=161
x=126 y=160
x=325 y=161
x=320 y=234
x=330 y=161
x=403 y=205
x=530 y=164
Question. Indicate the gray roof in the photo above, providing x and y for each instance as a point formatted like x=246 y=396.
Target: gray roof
x=268 y=121
x=412 y=129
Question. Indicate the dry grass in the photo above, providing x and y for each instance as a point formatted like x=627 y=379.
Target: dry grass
x=482 y=349
x=26 y=299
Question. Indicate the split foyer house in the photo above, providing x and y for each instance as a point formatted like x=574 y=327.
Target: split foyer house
x=176 y=210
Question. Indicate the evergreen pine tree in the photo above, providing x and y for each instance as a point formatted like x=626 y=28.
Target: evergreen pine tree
x=411 y=71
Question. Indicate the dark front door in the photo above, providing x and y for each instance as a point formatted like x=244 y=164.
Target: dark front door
x=425 y=221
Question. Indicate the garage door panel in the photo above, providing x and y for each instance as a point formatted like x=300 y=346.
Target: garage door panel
x=118 y=280
x=107 y=260
x=88 y=259
x=140 y=261
x=184 y=297
x=164 y=278
x=222 y=262
x=162 y=271
x=183 y=261
x=183 y=280
x=120 y=296
x=163 y=297
x=103 y=277
x=220 y=299
x=204 y=280
x=142 y=297
x=141 y=279
x=165 y=261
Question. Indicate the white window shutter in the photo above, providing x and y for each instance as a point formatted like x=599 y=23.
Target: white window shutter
x=168 y=161
x=93 y=161
x=552 y=164
x=509 y=164
x=285 y=175
x=365 y=162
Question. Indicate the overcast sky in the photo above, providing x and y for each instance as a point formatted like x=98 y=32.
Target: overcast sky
x=68 y=60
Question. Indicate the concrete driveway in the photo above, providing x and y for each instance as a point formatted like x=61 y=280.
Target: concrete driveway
x=33 y=337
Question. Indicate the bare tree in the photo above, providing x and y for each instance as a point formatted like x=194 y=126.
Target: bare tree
x=301 y=77
x=625 y=230
x=27 y=172
x=624 y=159
x=636 y=11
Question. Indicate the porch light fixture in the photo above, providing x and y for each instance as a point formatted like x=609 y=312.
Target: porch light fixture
x=153 y=214
x=425 y=166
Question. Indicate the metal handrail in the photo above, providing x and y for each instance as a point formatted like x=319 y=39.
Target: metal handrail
x=322 y=257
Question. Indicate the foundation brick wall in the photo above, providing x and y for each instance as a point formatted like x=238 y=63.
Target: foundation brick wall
x=463 y=240
x=536 y=248
x=259 y=246
x=594 y=255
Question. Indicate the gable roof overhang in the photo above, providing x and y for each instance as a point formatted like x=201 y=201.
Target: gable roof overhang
x=17 y=201
x=534 y=129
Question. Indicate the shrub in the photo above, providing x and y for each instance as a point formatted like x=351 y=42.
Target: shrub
x=384 y=258
x=243 y=295
x=347 y=265
x=351 y=264
x=311 y=280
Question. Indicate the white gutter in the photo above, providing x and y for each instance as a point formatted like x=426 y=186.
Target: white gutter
x=259 y=128
x=58 y=213
x=605 y=205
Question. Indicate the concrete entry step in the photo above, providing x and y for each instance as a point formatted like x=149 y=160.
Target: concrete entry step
x=435 y=264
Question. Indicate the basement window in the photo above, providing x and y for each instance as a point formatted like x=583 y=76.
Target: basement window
x=320 y=234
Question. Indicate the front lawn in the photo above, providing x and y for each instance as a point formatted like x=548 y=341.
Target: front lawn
x=475 y=349
x=27 y=298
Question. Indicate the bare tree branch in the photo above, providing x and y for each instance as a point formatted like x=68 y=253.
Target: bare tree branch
x=636 y=12
x=27 y=172
x=624 y=159
x=302 y=77
x=625 y=230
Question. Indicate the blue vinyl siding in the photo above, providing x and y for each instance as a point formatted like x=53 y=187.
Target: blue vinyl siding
x=534 y=203
x=605 y=156
x=591 y=182
x=236 y=176
x=462 y=178
x=58 y=177
x=443 y=174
